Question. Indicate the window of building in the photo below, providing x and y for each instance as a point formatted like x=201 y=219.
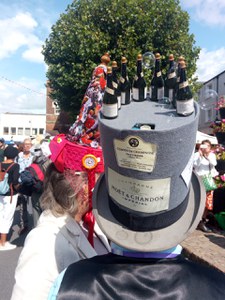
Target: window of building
x=27 y=131
x=13 y=130
x=56 y=108
x=6 y=130
x=41 y=130
x=20 y=130
x=34 y=131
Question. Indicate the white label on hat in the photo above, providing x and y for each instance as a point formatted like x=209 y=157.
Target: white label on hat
x=147 y=196
x=187 y=172
x=133 y=153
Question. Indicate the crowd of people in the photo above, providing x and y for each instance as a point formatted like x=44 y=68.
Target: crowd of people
x=15 y=160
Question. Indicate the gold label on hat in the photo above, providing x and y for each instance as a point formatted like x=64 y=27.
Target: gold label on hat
x=133 y=153
x=147 y=196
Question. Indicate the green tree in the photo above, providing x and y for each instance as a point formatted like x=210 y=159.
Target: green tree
x=89 y=28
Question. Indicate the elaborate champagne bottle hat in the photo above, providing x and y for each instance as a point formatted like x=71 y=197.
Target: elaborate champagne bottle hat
x=148 y=198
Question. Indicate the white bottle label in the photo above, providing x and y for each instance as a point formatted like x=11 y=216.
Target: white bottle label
x=183 y=84
x=147 y=196
x=115 y=85
x=119 y=102
x=135 y=93
x=158 y=74
x=110 y=110
x=110 y=91
x=135 y=154
x=145 y=93
x=187 y=172
x=171 y=75
x=171 y=94
x=123 y=98
x=185 y=107
x=122 y=80
x=160 y=93
x=150 y=92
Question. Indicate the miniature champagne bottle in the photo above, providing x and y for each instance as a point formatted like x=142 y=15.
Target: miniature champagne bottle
x=109 y=102
x=171 y=81
x=184 y=101
x=139 y=85
x=180 y=59
x=157 y=83
x=116 y=83
x=124 y=83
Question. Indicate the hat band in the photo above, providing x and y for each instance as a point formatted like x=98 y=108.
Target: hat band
x=146 y=222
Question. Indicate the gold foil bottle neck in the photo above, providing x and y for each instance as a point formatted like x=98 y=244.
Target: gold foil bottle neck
x=109 y=70
x=157 y=56
x=114 y=64
x=139 y=57
x=105 y=58
x=123 y=60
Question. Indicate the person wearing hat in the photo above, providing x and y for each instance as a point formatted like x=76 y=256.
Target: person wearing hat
x=2 y=148
x=8 y=201
x=147 y=202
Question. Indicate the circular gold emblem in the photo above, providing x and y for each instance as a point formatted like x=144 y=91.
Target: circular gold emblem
x=89 y=161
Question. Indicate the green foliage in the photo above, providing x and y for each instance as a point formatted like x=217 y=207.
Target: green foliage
x=89 y=28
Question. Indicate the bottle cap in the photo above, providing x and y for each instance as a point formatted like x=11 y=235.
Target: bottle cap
x=123 y=60
x=181 y=58
x=105 y=58
x=114 y=64
x=109 y=70
x=139 y=57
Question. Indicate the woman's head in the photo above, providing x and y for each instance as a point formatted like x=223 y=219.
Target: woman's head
x=206 y=146
x=59 y=196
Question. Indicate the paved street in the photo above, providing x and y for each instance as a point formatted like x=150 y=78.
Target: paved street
x=8 y=259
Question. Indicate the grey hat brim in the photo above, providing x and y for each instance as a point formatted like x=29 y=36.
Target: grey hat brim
x=156 y=240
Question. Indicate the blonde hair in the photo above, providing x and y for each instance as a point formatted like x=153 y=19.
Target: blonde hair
x=58 y=195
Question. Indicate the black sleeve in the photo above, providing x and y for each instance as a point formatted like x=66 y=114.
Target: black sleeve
x=14 y=174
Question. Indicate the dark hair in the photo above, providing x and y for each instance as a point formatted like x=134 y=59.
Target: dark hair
x=11 y=152
x=207 y=141
x=58 y=195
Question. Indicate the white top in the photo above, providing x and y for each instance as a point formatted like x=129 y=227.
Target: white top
x=49 y=248
x=203 y=165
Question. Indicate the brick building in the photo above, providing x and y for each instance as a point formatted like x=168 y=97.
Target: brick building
x=57 y=121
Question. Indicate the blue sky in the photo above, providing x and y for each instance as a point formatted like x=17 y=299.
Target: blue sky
x=25 y=24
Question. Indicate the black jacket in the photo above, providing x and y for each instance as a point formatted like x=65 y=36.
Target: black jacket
x=112 y=277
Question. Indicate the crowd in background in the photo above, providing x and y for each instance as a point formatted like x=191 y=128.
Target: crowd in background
x=15 y=159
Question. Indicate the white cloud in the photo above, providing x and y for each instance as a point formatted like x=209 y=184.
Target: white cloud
x=210 y=63
x=210 y=12
x=34 y=55
x=16 y=32
x=24 y=96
